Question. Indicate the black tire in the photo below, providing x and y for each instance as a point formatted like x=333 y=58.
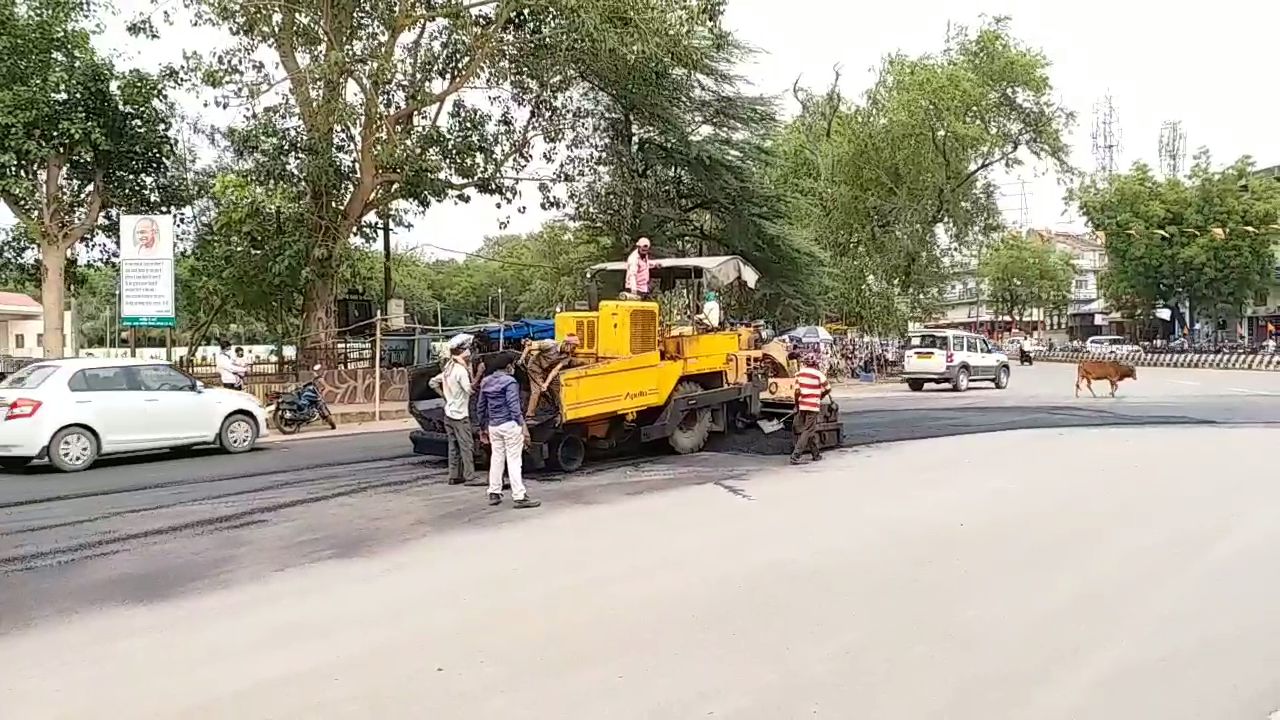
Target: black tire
x=1002 y=377
x=73 y=449
x=14 y=463
x=284 y=426
x=238 y=434
x=695 y=426
x=915 y=385
x=961 y=383
x=568 y=452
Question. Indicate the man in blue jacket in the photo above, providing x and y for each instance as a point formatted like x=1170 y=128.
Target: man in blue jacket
x=501 y=420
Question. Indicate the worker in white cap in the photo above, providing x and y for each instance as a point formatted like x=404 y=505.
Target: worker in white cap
x=638 y=270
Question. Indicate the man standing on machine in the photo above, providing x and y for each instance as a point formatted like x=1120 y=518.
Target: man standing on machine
x=637 y=282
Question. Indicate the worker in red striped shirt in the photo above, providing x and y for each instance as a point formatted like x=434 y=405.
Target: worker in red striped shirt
x=811 y=387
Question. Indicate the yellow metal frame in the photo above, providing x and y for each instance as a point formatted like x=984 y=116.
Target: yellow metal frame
x=637 y=369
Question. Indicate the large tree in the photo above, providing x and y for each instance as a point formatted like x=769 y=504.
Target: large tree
x=415 y=102
x=79 y=138
x=891 y=185
x=1203 y=242
x=680 y=154
x=1022 y=273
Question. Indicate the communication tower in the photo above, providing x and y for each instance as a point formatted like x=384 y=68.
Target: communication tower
x=1106 y=136
x=1173 y=148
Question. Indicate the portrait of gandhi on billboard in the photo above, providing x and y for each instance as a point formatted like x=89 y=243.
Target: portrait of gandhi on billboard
x=146 y=237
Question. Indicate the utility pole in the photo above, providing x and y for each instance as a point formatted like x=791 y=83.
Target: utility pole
x=386 y=266
x=377 y=368
x=502 y=318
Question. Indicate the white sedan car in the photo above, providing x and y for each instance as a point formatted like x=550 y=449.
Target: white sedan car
x=73 y=410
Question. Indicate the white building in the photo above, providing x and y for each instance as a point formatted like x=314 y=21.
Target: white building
x=22 y=327
x=965 y=304
x=1087 y=315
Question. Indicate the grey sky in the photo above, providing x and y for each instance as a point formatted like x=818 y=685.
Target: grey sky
x=1205 y=66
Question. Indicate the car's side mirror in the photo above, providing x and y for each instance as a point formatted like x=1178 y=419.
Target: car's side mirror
x=198 y=386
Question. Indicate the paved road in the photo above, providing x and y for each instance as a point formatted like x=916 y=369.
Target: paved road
x=141 y=529
x=915 y=580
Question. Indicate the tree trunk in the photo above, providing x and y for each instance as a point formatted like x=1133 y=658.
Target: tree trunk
x=318 y=320
x=53 y=264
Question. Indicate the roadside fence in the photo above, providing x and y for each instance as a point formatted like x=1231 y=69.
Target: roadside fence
x=1269 y=362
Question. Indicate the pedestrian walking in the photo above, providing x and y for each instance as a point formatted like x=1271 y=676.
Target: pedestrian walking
x=811 y=387
x=454 y=384
x=230 y=371
x=504 y=429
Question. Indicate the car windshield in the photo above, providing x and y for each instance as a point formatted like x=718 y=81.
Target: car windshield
x=935 y=342
x=28 y=378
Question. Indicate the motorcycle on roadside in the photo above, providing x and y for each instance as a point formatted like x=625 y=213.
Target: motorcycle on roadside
x=292 y=410
x=1024 y=356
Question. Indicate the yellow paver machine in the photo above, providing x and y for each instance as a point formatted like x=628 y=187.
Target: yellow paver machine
x=643 y=380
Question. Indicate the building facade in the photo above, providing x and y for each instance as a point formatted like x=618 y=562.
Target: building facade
x=22 y=327
x=964 y=305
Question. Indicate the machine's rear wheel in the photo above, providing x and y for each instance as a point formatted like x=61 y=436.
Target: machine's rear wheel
x=567 y=453
x=695 y=426
x=915 y=385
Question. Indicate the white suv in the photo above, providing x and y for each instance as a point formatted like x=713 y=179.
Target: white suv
x=954 y=357
x=71 y=411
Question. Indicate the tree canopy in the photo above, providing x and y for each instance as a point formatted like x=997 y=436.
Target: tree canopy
x=1203 y=241
x=1022 y=273
x=890 y=186
x=79 y=138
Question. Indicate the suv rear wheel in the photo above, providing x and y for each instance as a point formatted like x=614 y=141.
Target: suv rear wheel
x=961 y=383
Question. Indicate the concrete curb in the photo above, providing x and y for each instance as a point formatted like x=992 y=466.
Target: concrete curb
x=1206 y=361
x=321 y=432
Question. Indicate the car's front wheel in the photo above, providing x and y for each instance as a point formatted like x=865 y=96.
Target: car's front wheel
x=1002 y=377
x=73 y=449
x=239 y=433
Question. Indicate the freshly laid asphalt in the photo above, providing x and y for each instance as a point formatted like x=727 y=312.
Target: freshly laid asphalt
x=1120 y=563
x=152 y=527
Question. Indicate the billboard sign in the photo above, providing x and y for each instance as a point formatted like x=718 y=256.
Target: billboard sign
x=147 y=297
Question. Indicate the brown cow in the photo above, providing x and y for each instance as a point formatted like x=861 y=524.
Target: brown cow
x=1109 y=370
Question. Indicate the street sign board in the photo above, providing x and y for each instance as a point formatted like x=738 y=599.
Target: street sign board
x=147 y=297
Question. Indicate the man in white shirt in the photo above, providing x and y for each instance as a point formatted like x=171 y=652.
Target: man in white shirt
x=454 y=384
x=230 y=372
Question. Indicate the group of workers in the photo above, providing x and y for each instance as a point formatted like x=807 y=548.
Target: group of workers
x=503 y=419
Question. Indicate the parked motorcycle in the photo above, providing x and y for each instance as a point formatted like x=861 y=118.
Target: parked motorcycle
x=293 y=409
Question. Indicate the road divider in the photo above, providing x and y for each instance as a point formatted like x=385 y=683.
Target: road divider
x=1266 y=362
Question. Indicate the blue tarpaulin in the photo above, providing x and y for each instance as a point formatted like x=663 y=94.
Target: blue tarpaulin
x=519 y=330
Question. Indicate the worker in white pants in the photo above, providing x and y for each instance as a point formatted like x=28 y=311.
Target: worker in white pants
x=499 y=413
x=507 y=441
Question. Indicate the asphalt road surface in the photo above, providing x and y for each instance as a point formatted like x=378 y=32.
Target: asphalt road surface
x=149 y=533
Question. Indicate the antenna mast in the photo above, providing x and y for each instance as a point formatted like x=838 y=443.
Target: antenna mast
x=1106 y=136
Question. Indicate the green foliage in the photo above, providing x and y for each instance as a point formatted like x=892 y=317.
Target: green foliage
x=879 y=185
x=1021 y=273
x=78 y=138
x=411 y=104
x=1162 y=247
